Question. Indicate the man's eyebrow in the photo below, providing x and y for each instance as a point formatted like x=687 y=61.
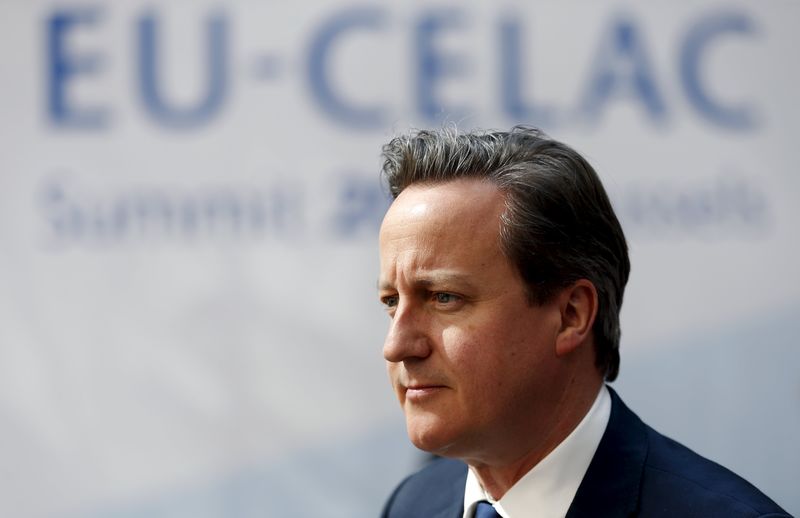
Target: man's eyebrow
x=429 y=279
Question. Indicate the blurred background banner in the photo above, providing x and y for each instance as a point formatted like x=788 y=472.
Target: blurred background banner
x=189 y=206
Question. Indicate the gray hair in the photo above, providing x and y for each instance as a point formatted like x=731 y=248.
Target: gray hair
x=558 y=225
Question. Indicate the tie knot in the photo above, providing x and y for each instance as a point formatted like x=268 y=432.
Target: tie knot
x=485 y=510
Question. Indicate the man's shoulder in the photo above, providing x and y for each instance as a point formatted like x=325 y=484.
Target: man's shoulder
x=678 y=481
x=636 y=471
x=435 y=490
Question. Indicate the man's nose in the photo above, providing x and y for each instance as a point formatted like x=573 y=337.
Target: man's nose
x=408 y=336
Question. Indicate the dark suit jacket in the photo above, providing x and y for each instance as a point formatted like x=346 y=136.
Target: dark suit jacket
x=636 y=471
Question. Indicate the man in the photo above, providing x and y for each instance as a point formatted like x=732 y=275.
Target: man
x=503 y=268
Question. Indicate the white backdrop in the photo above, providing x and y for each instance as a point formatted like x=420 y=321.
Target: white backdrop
x=189 y=204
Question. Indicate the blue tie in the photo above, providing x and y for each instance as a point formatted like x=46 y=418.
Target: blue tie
x=485 y=510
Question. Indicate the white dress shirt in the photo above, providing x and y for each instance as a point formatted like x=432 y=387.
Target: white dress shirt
x=548 y=489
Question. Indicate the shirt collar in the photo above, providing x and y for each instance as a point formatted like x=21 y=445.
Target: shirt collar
x=548 y=489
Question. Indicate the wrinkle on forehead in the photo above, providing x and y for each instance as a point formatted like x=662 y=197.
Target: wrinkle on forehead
x=441 y=227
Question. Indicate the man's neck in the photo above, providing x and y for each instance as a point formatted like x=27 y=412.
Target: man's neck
x=497 y=478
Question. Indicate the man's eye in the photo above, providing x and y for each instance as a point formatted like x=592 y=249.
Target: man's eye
x=445 y=298
x=389 y=301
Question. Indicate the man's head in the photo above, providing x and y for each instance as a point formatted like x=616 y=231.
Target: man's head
x=502 y=268
x=557 y=225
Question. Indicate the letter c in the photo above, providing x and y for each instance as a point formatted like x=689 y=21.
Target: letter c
x=329 y=100
x=694 y=49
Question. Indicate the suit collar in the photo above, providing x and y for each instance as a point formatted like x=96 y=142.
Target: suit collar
x=611 y=484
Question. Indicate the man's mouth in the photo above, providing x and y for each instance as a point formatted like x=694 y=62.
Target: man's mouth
x=416 y=392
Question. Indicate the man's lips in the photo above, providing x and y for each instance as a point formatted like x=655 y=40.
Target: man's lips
x=418 y=391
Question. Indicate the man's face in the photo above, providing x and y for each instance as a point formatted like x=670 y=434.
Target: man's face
x=471 y=361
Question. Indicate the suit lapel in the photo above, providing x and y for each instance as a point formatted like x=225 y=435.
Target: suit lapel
x=455 y=507
x=611 y=485
x=447 y=500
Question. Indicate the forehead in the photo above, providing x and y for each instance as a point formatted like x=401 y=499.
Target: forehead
x=446 y=225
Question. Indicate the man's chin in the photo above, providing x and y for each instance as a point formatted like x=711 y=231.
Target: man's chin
x=432 y=435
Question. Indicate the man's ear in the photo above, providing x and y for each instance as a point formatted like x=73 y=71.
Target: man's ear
x=578 y=305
